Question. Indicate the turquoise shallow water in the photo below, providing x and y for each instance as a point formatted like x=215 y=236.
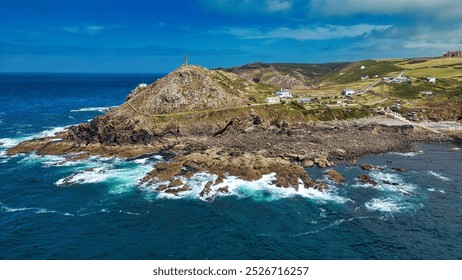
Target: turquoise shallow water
x=104 y=214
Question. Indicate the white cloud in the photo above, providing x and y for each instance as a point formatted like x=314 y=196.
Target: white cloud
x=315 y=32
x=245 y=7
x=88 y=29
x=435 y=38
x=278 y=5
x=441 y=9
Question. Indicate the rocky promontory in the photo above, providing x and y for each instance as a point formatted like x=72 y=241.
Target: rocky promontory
x=203 y=119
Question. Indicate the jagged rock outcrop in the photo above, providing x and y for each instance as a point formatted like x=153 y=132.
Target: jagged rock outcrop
x=191 y=88
x=246 y=166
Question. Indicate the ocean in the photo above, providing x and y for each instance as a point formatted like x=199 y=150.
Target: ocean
x=104 y=214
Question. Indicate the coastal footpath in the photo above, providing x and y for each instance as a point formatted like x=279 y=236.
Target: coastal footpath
x=214 y=121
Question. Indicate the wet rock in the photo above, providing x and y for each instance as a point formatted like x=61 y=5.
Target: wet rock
x=176 y=191
x=367 y=167
x=335 y=176
x=175 y=183
x=223 y=190
x=219 y=179
x=188 y=174
x=367 y=180
x=164 y=171
x=161 y=188
x=398 y=169
x=317 y=185
x=389 y=183
x=207 y=189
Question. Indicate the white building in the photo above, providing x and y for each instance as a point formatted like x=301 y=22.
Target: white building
x=283 y=93
x=431 y=79
x=143 y=85
x=362 y=67
x=347 y=92
x=273 y=100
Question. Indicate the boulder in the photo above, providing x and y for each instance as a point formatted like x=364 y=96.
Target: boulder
x=367 y=180
x=219 y=179
x=175 y=183
x=207 y=189
x=223 y=190
x=322 y=161
x=317 y=185
x=161 y=188
x=188 y=174
x=335 y=176
x=164 y=171
x=308 y=163
x=367 y=167
x=176 y=191
x=398 y=169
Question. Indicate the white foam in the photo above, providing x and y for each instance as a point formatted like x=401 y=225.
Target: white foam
x=6 y=209
x=94 y=109
x=435 y=190
x=10 y=142
x=129 y=213
x=122 y=176
x=49 y=132
x=125 y=180
x=386 y=205
x=141 y=160
x=409 y=154
x=88 y=176
x=259 y=190
x=439 y=176
x=392 y=182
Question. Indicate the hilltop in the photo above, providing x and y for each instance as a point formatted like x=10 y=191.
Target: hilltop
x=191 y=88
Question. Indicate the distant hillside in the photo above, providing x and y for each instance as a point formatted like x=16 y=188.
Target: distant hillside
x=354 y=71
x=286 y=75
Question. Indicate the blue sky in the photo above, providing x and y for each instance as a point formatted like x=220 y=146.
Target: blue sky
x=152 y=36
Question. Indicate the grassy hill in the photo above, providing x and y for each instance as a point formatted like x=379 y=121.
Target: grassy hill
x=324 y=82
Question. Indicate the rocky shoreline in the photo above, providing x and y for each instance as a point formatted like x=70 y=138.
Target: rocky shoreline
x=248 y=150
x=200 y=117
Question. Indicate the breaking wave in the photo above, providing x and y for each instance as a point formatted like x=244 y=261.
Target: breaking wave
x=409 y=154
x=388 y=205
x=439 y=176
x=392 y=182
x=94 y=109
x=260 y=190
x=11 y=142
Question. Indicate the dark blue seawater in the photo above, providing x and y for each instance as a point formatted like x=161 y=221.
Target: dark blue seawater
x=104 y=214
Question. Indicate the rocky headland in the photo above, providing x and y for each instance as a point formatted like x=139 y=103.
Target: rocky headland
x=203 y=120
